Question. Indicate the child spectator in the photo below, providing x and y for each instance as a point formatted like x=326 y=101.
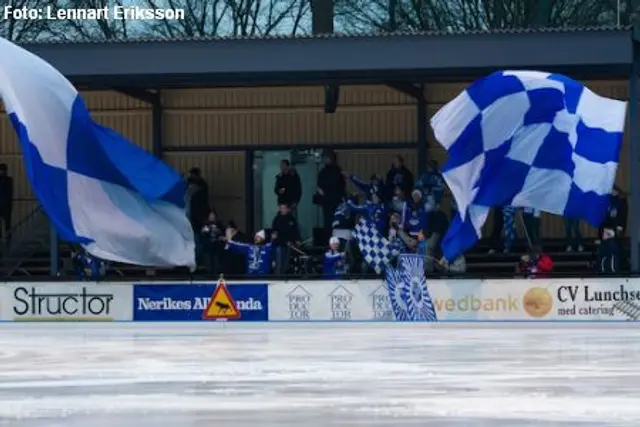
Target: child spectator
x=414 y=215
x=536 y=264
x=334 y=261
x=609 y=253
x=258 y=256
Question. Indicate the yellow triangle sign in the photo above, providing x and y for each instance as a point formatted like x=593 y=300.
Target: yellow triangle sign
x=222 y=306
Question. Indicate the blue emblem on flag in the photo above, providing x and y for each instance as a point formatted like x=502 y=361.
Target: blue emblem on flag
x=408 y=291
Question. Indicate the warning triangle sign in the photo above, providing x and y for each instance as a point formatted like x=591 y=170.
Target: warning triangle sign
x=222 y=306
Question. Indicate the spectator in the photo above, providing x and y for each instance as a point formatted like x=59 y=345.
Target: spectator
x=437 y=226
x=331 y=188
x=334 y=261
x=87 y=266
x=573 y=235
x=198 y=199
x=504 y=220
x=609 y=252
x=398 y=200
x=286 y=232
x=414 y=215
x=369 y=188
x=399 y=176
x=531 y=219
x=344 y=220
x=258 y=256
x=212 y=236
x=535 y=264
x=432 y=186
x=617 y=213
x=374 y=211
x=288 y=187
x=233 y=262
x=6 y=201
x=399 y=241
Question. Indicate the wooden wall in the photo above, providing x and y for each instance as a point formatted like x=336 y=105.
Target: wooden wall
x=265 y=116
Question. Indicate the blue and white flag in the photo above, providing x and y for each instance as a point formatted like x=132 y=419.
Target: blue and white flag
x=527 y=139
x=376 y=250
x=99 y=190
x=408 y=292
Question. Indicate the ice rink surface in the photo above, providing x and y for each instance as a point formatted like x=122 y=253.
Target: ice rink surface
x=183 y=375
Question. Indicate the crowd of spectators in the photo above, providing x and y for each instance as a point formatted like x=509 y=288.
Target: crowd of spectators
x=408 y=212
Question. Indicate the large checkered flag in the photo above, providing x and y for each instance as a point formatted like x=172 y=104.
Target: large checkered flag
x=527 y=139
x=375 y=249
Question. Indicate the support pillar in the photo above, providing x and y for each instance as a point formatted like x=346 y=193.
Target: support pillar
x=634 y=166
x=156 y=128
x=422 y=123
x=249 y=201
x=54 y=254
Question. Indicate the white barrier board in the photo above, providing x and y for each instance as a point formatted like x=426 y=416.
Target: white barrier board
x=82 y=301
x=462 y=300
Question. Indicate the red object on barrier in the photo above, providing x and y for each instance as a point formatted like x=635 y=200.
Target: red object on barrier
x=222 y=306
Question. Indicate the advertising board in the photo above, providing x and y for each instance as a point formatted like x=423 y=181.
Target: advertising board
x=458 y=300
x=185 y=302
x=66 y=302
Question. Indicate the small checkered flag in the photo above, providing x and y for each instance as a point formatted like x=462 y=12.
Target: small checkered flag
x=375 y=249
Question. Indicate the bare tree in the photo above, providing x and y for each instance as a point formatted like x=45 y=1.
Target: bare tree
x=21 y=30
x=231 y=17
x=358 y=16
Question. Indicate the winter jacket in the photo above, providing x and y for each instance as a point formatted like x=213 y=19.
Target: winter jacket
x=617 y=213
x=292 y=188
x=332 y=183
x=537 y=269
x=414 y=218
x=431 y=184
x=375 y=213
x=401 y=177
x=369 y=188
x=334 y=266
x=343 y=219
x=258 y=257
x=287 y=228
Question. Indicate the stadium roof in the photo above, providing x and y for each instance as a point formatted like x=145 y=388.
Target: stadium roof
x=591 y=52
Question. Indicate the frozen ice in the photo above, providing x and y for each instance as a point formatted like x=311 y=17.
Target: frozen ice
x=312 y=375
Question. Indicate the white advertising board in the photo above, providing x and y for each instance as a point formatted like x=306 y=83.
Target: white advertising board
x=53 y=301
x=462 y=300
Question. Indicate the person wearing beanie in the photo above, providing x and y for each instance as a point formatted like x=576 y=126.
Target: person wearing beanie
x=414 y=215
x=334 y=266
x=259 y=256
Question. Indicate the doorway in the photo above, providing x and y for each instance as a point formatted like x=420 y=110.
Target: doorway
x=265 y=168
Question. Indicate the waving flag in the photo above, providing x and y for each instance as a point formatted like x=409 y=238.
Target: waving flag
x=98 y=189
x=527 y=139
x=376 y=250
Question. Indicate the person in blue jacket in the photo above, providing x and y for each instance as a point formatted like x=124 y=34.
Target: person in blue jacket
x=414 y=215
x=369 y=188
x=334 y=266
x=374 y=211
x=88 y=267
x=259 y=256
x=432 y=186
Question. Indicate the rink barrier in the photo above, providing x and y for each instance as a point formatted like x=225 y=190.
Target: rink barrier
x=516 y=300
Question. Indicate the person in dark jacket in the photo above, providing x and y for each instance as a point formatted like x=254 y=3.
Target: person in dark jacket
x=331 y=188
x=432 y=186
x=288 y=187
x=370 y=188
x=400 y=176
x=6 y=200
x=609 y=253
x=616 y=218
x=199 y=199
x=212 y=234
x=286 y=232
